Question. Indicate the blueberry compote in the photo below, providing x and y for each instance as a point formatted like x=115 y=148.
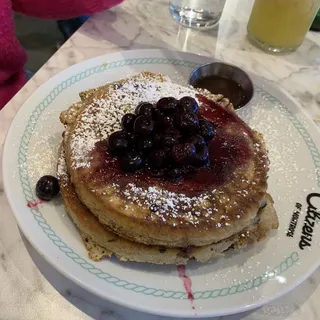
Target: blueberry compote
x=175 y=144
x=166 y=139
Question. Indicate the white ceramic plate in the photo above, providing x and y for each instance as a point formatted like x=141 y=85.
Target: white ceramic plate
x=234 y=283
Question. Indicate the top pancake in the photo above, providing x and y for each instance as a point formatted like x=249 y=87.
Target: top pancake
x=201 y=209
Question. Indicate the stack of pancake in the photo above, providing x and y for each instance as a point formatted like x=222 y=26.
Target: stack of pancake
x=149 y=220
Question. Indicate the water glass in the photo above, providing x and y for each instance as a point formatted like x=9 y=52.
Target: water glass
x=199 y=14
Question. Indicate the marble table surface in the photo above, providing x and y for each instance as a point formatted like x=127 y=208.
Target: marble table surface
x=32 y=289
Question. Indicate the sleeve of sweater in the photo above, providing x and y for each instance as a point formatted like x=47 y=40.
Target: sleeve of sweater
x=61 y=9
x=12 y=56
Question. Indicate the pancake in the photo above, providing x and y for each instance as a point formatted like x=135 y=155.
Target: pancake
x=203 y=208
x=101 y=242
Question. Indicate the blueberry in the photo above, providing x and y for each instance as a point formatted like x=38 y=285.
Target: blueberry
x=167 y=105
x=201 y=158
x=156 y=172
x=157 y=138
x=187 y=123
x=197 y=140
x=47 y=187
x=118 y=142
x=206 y=130
x=187 y=169
x=164 y=122
x=144 y=109
x=157 y=159
x=170 y=137
x=188 y=104
x=183 y=153
x=131 y=162
x=143 y=125
x=174 y=173
x=156 y=113
x=127 y=121
x=144 y=143
x=132 y=140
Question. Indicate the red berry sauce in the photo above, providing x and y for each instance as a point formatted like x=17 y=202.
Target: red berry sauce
x=228 y=151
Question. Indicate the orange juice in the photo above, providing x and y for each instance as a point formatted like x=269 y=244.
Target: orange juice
x=281 y=25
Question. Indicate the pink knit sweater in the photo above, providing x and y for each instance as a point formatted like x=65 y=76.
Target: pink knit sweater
x=12 y=55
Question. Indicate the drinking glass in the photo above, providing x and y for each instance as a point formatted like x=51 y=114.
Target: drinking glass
x=199 y=14
x=281 y=25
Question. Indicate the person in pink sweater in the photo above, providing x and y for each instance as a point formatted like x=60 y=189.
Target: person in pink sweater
x=12 y=55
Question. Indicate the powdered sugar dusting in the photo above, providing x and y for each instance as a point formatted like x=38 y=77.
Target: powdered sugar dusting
x=285 y=147
x=103 y=116
x=42 y=152
x=62 y=171
x=164 y=204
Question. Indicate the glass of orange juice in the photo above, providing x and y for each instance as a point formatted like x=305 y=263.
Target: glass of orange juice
x=281 y=25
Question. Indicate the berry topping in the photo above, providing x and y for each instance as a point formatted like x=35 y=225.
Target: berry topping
x=156 y=172
x=187 y=122
x=127 y=122
x=170 y=137
x=47 y=187
x=175 y=173
x=165 y=140
x=188 y=104
x=206 y=129
x=201 y=158
x=144 y=143
x=164 y=122
x=197 y=140
x=157 y=159
x=183 y=153
x=132 y=140
x=167 y=105
x=156 y=113
x=144 y=109
x=143 y=125
x=131 y=162
x=157 y=139
x=118 y=142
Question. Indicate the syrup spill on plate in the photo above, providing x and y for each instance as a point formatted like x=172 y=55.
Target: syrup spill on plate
x=34 y=204
x=187 y=283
